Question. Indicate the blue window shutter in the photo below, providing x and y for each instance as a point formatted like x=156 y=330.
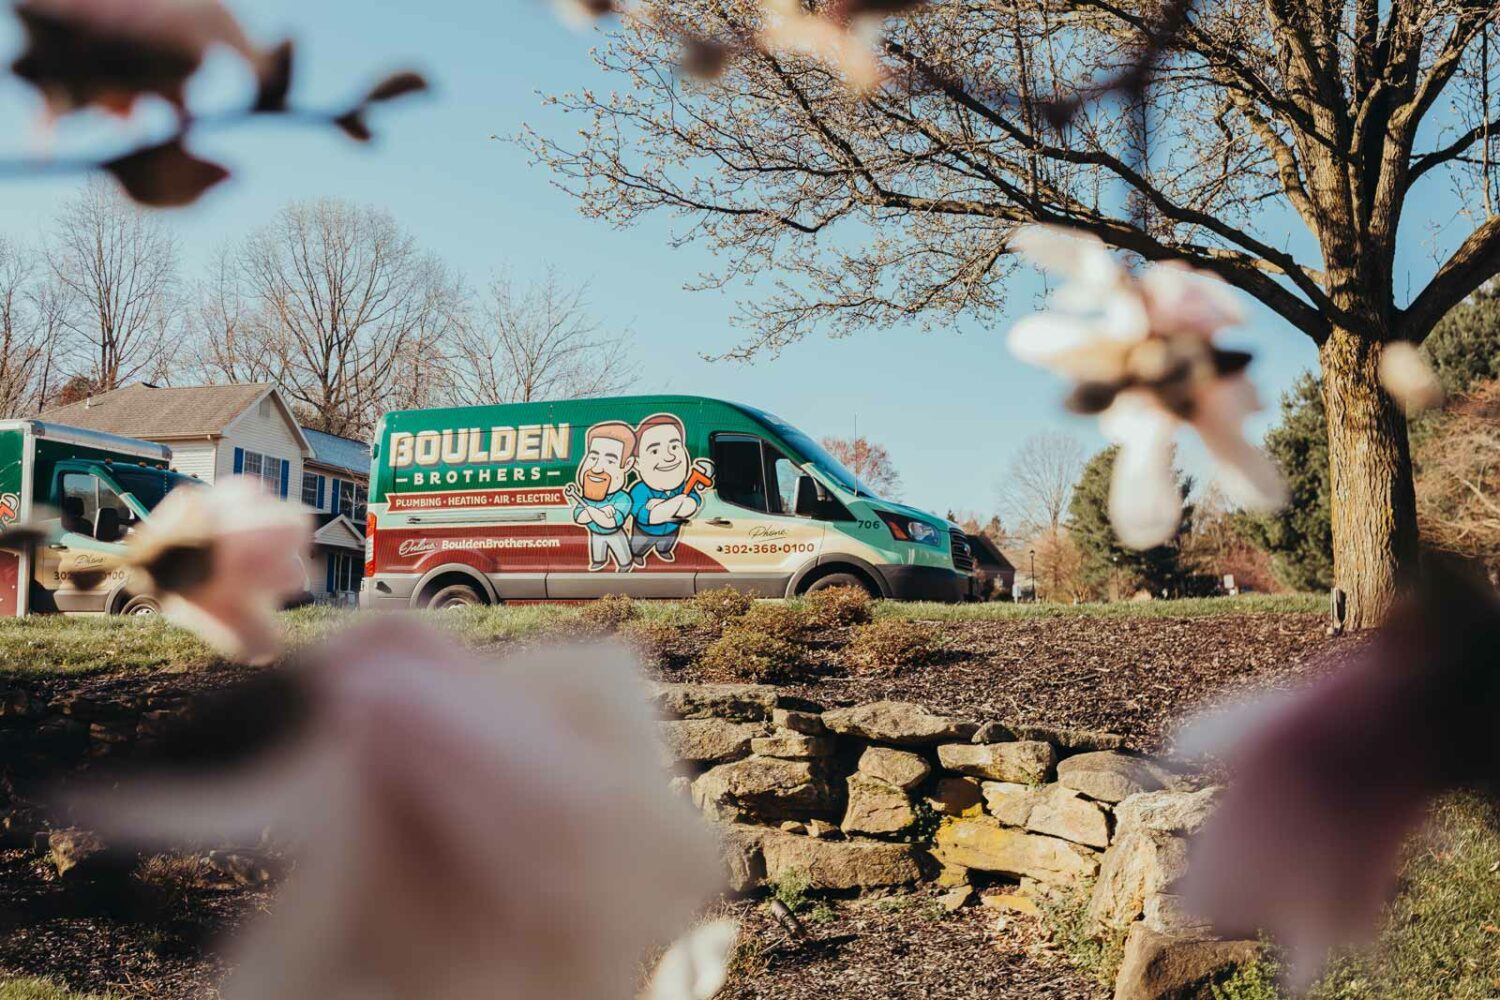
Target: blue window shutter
x=239 y=461
x=333 y=504
x=330 y=559
x=286 y=475
x=321 y=482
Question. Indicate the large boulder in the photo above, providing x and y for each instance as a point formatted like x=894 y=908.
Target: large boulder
x=740 y=848
x=876 y=806
x=1027 y=762
x=840 y=864
x=1166 y=812
x=1164 y=967
x=1052 y=809
x=894 y=767
x=1109 y=776
x=764 y=788
x=708 y=741
x=75 y=853
x=898 y=722
x=1137 y=866
x=745 y=702
x=985 y=845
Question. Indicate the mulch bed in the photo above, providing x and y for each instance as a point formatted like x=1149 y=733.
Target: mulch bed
x=1134 y=676
x=900 y=948
x=122 y=937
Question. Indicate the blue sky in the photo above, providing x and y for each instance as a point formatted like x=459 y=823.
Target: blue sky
x=950 y=405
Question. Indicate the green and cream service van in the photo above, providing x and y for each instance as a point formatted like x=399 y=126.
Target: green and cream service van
x=651 y=496
x=85 y=491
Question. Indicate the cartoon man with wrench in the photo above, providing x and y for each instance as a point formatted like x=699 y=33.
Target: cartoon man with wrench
x=666 y=494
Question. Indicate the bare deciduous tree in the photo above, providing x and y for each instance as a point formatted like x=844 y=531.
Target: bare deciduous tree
x=22 y=351
x=116 y=266
x=867 y=460
x=348 y=310
x=539 y=341
x=1040 y=479
x=898 y=203
x=232 y=346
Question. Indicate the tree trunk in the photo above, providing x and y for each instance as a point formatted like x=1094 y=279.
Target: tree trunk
x=1375 y=550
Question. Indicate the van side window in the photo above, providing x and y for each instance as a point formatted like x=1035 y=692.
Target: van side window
x=80 y=502
x=739 y=471
x=782 y=474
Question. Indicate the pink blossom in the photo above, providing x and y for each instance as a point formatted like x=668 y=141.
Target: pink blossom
x=223 y=559
x=109 y=53
x=1329 y=781
x=1139 y=351
x=461 y=828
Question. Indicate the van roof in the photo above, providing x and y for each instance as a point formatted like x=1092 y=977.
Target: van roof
x=645 y=398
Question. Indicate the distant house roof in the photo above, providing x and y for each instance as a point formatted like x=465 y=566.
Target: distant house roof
x=339 y=452
x=988 y=553
x=166 y=412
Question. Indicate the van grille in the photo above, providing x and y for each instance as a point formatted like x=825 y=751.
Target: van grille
x=963 y=556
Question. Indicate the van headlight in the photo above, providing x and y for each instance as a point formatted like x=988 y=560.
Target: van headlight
x=911 y=529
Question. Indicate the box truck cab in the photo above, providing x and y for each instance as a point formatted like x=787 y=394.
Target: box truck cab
x=651 y=496
x=85 y=491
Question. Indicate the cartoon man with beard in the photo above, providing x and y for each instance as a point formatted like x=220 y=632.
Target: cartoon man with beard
x=666 y=494
x=602 y=503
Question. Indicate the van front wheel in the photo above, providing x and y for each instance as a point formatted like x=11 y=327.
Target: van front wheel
x=141 y=604
x=839 y=580
x=457 y=595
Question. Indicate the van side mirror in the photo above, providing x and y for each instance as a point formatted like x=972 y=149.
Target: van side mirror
x=808 y=497
x=107 y=525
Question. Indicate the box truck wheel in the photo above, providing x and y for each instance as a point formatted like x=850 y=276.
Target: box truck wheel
x=840 y=580
x=455 y=595
x=141 y=604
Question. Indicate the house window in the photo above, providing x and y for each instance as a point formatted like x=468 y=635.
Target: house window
x=348 y=568
x=310 y=491
x=352 y=499
x=265 y=468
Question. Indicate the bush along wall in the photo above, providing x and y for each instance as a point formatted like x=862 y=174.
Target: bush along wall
x=889 y=794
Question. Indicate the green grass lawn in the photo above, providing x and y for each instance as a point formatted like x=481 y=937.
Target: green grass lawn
x=31 y=988
x=53 y=644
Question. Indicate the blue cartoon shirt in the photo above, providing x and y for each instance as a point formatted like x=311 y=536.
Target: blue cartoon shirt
x=642 y=494
x=619 y=500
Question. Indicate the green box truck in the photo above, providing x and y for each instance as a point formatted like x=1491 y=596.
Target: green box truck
x=651 y=496
x=85 y=490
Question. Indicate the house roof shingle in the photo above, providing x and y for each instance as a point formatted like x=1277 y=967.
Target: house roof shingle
x=142 y=411
x=339 y=452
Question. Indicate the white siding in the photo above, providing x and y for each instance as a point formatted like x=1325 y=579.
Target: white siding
x=268 y=434
x=195 y=460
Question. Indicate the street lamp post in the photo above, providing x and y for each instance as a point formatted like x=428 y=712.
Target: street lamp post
x=1033 y=575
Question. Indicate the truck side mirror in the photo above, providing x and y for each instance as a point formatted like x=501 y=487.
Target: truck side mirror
x=107 y=525
x=808 y=497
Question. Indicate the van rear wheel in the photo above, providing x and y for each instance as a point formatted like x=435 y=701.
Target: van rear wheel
x=141 y=604
x=456 y=595
x=839 y=580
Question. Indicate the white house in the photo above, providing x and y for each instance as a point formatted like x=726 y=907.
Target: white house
x=221 y=430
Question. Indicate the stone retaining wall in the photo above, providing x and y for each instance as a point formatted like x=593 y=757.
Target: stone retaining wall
x=874 y=796
x=888 y=794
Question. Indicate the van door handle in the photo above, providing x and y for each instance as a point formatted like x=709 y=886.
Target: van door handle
x=722 y=522
x=56 y=545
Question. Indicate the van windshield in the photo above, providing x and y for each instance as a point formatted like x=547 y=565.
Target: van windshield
x=149 y=486
x=818 y=457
